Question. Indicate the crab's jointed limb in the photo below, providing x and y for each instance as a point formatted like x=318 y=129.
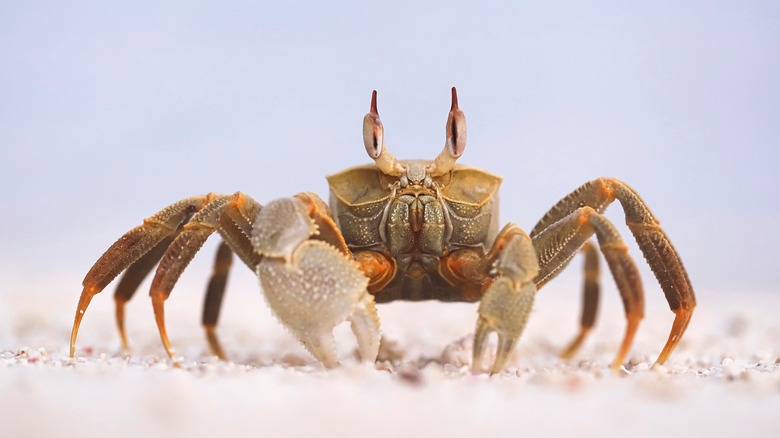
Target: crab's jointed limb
x=508 y=299
x=590 y=299
x=171 y=237
x=131 y=280
x=310 y=285
x=215 y=292
x=131 y=247
x=184 y=247
x=566 y=226
x=309 y=278
x=558 y=243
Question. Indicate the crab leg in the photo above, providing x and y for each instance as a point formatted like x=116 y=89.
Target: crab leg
x=508 y=299
x=658 y=250
x=181 y=251
x=311 y=285
x=233 y=229
x=132 y=278
x=557 y=244
x=214 y=295
x=235 y=236
x=590 y=299
x=129 y=248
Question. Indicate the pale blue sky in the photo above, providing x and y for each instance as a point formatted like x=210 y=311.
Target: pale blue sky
x=110 y=111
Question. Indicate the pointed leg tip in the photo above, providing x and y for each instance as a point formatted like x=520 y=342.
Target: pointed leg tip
x=662 y=358
x=123 y=340
x=619 y=369
x=625 y=346
x=619 y=360
x=214 y=345
x=73 y=334
x=86 y=296
x=120 y=322
x=566 y=354
x=158 y=304
x=574 y=346
x=681 y=320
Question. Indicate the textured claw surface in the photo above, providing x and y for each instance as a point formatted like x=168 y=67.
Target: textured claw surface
x=317 y=290
x=503 y=310
x=281 y=226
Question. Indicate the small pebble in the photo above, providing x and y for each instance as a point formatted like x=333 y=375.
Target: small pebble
x=410 y=375
x=642 y=366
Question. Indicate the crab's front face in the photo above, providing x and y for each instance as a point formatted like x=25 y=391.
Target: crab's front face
x=415 y=211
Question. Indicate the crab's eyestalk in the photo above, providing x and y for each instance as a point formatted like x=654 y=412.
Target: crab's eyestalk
x=456 y=128
x=455 y=142
x=374 y=141
x=373 y=132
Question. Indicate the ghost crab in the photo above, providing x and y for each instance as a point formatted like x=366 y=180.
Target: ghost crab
x=397 y=230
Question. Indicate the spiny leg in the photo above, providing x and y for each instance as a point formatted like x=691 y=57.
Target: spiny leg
x=508 y=299
x=590 y=299
x=131 y=279
x=235 y=229
x=558 y=243
x=214 y=295
x=655 y=245
x=181 y=252
x=129 y=248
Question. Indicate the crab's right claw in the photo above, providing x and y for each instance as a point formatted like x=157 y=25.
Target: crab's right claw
x=310 y=285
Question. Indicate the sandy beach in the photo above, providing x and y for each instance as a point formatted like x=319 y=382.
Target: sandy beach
x=723 y=380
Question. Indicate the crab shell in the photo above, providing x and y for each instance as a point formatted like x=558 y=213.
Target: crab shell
x=416 y=226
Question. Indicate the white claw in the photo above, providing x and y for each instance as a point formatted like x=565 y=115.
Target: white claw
x=365 y=326
x=322 y=346
x=317 y=290
x=280 y=227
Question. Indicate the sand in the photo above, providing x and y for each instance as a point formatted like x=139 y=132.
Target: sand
x=724 y=379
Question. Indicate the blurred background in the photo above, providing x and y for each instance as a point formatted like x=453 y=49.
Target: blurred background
x=110 y=111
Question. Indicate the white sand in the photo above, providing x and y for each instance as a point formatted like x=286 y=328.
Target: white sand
x=724 y=379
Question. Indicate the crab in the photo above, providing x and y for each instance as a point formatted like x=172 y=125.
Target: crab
x=397 y=230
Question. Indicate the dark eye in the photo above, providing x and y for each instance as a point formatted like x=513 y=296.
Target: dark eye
x=373 y=132
x=456 y=128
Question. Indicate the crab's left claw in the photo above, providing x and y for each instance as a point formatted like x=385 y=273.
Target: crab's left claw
x=503 y=310
x=310 y=285
x=508 y=300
